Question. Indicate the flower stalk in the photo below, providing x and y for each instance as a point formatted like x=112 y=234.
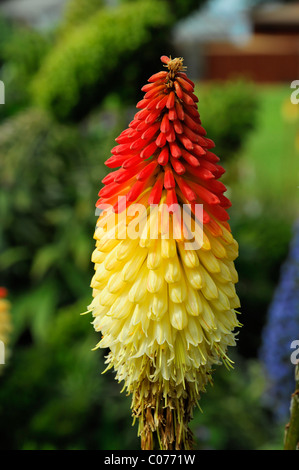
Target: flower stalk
x=291 y=441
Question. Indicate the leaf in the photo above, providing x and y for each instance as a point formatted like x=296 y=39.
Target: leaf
x=45 y=258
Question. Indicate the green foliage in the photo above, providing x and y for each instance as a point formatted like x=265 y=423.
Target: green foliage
x=264 y=243
x=22 y=50
x=229 y=114
x=53 y=395
x=26 y=49
x=78 y=11
x=233 y=416
x=179 y=8
x=97 y=57
x=5 y=33
x=48 y=176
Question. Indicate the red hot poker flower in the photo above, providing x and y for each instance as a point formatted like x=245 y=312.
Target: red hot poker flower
x=165 y=307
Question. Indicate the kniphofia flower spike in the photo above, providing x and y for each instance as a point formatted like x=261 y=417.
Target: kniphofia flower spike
x=165 y=308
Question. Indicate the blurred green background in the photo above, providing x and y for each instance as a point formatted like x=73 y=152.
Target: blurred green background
x=70 y=90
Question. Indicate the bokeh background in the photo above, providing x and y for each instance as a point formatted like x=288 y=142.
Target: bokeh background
x=73 y=70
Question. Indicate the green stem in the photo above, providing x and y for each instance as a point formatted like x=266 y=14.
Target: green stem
x=291 y=441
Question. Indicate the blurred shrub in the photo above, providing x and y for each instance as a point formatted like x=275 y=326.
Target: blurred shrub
x=182 y=8
x=66 y=403
x=49 y=177
x=179 y=8
x=281 y=329
x=78 y=11
x=105 y=53
x=5 y=327
x=229 y=113
x=263 y=246
x=53 y=395
x=49 y=174
x=233 y=416
x=22 y=51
